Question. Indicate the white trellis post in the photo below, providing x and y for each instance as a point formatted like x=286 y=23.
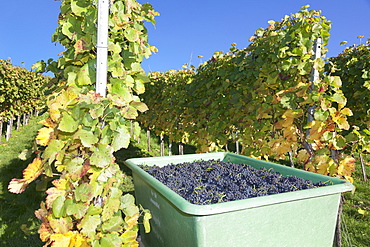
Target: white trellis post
x=102 y=58
x=102 y=47
x=314 y=77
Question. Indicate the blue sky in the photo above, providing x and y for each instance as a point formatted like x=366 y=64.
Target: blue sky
x=184 y=29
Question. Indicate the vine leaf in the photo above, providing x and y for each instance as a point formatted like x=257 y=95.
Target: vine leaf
x=67 y=123
x=82 y=45
x=140 y=106
x=107 y=173
x=87 y=137
x=129 y=112
x=86 y=74
x=60 y=225
x=347 y=166
x=58 y=207
x=129 y=237
x=113 y=224
x=78 y=210
x=131 y=221
x=84 y=193
x=69 y=239
x=52 y=150
x=131 y=34
x=55 y=192
x=32 y=171
x=121 y=138
x=45 y=231
x=89 y=224
x=44 y=136
x=110 y=208
x=111 y=240
x=102 y=155
x=322 y=164
x=147 y=217
x=42 y=212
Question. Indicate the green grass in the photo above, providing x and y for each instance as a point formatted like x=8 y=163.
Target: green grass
x=356 y=226
x=18 y=225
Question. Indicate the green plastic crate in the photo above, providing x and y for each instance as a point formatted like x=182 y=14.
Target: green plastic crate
x=299 y=218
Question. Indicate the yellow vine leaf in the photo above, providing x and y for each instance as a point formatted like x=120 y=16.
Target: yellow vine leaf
x=54 y=112
x=44 y=136
x=131 y=221
x=283 y=148
x=289 y=118
x=42 y=212
x=280 y=147
x=60 y=240
x=349 y=179
x=54 y=192
x=48 y=122
x=61 y=101
x=346 y=111
x=322 y=164
x=303 y=155
x=17 y=186
x=60 y=225
x=339 y=117
x=289 y=134
x=45 y=231
x=310 y=167
x=316 y=128
x=69 y=239
x=32 y=171
x=346 y=166
x=342 y=122
x=129 y=238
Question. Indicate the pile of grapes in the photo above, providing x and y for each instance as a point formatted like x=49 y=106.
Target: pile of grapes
x=213 y=181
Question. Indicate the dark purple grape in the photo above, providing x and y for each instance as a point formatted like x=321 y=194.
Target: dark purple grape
x=214 y=181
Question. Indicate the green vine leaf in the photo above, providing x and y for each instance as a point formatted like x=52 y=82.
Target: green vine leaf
x=89 y=225
x=113 y=224
x=84 y=193
x=58 y=207
x=68 y=123
x=129 y=237
x=75 y=209
x=75 y=168
x=52 y=150
x=79 y=7
x=110 y=208
x=86 y=75
x=121 y=138
x=88 y=139
x=102 y=155
x=109 y=240
x=60 y=225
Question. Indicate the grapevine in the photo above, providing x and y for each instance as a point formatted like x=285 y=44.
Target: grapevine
x=262 y=92
x=353 y=66
x=86 y=206
x=21 y=91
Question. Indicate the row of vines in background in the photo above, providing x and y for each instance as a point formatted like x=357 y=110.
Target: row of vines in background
x=262 y=93
x=353 y=66
x=22 y=93
x=88 y=203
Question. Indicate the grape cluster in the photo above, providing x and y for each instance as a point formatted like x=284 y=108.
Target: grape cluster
x=213 y=181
